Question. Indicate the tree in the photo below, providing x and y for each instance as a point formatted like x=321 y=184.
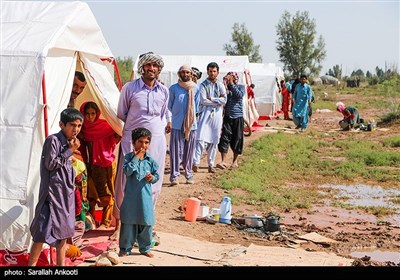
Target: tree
x=243 y=44
x=336 y=72
x=125 y=67
x=379 y=72
x=295 y=44
x=359 y=73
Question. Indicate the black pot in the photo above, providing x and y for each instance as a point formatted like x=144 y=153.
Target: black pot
x=272 y=224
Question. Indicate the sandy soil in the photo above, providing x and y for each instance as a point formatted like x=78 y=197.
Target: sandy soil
x=351 y=229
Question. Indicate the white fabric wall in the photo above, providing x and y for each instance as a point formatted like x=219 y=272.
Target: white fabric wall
x=264 y=78
x=42 y=38
x=24 y=133
x=169 y=74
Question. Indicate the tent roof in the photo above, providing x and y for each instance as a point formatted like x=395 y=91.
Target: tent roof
x=31 y=28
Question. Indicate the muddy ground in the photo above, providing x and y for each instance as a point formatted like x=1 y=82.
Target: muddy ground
x=351 y=230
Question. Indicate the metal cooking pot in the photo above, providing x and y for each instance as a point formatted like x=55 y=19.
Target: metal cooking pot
x=254 y=221
x=272 y=223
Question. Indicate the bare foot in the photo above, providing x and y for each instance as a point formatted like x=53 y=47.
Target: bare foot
x=102 y=227
x=113 y=246
x=148 y=254
x=114 y=236
x=234 y=165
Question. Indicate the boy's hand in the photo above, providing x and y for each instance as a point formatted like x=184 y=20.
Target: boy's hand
x=74 y=144
x=148 y=177
x=139 y=153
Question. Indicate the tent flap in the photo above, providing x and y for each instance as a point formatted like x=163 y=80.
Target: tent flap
x=42 y=39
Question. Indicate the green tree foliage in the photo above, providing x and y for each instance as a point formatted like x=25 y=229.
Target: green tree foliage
x=336 y=72
x=243 y=44
x=380 y=75
x=359 y=73
x=125 y=67
x=379 y=72
x=296 y=44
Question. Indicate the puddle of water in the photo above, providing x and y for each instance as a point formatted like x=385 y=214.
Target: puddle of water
x=380 y=256
x=363 y=195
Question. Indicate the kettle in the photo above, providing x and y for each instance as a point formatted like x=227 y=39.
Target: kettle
x=225 y=211
x=272 y=223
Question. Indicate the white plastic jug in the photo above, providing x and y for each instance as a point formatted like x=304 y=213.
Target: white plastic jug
x=225 y=210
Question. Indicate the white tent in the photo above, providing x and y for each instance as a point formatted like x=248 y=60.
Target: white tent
x=42 y=44
x=169 y=74
x=266 y=92
x=226 y=64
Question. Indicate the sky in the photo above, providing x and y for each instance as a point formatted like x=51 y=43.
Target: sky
x=357 y=34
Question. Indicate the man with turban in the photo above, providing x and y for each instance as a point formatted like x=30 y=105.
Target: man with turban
x=196 y=74
x=143 y=103
x=183 y=101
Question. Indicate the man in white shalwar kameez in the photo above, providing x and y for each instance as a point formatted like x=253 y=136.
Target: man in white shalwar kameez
x=212 y=101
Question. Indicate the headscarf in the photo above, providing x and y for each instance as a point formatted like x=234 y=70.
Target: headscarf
x=340 y=106
x=149 y=58
x=196 y=72
x=103 y=137
x=190 y=87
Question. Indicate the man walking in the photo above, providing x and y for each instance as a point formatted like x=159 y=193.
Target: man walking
x=301 y=101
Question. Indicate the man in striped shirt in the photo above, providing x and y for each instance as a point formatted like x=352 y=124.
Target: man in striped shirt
x=233 y=123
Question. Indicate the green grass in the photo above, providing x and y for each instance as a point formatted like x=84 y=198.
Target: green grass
x=393 y=142
x=277 y=169
x=384 y=96
x=282 y=171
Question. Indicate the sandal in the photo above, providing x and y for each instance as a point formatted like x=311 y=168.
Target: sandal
x=221 y=165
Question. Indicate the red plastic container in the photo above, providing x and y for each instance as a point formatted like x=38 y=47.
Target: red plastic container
x=98 y=214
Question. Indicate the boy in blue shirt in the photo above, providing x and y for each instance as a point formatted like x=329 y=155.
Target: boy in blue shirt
x=137 y=209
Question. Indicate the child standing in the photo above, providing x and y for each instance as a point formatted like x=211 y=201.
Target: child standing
x=100 y=141
x=54 y=220
x=137 y=210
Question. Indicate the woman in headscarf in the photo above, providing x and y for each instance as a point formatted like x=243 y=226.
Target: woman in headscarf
x=100 y=141
x=351 y=117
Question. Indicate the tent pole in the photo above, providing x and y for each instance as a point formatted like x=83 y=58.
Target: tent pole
x=46 y=127
x=114 y=63
x=247 y=77
x=117 y=72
